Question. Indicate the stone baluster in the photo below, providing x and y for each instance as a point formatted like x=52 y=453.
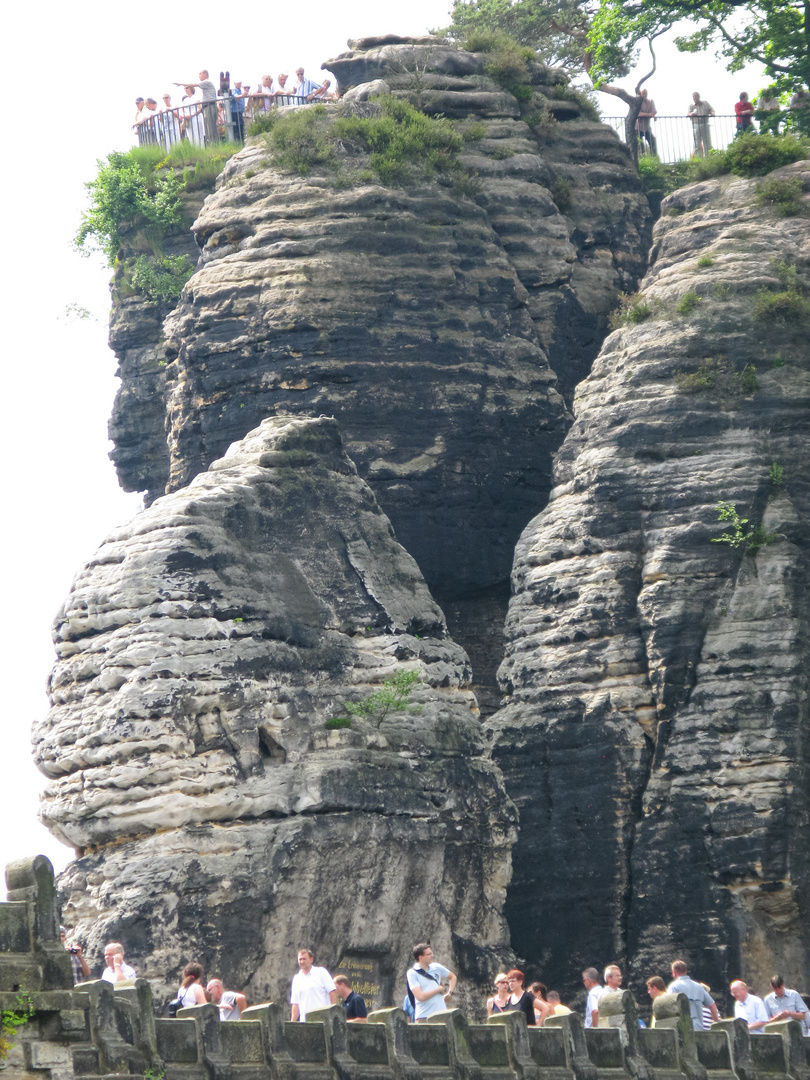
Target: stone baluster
x=517 y=1044
x=276 y=1053
x=209 y=1044
x=462 y=1063
x=672 y=1011
x=619 y=1011
x=576 y=1048
x=739 y=1047
x=397 y=1042
x=113 y=1052
x=31 y=880
x=790 y=1032
x=333 y=1019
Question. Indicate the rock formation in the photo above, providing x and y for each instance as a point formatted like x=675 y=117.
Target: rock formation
x=432 y=324
x=655 y=732
x=200 y=653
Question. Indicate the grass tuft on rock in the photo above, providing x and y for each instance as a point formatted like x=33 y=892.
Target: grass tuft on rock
x=398 y=144
x=719 y=378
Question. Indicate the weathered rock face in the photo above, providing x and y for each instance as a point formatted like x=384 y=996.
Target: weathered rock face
x=200 y=653
x=655 y=731
x=431 y=324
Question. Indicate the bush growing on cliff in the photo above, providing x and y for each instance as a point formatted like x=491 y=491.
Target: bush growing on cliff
x=161 y=278
x=143 y=184
x=631 y=310
x=736 y=534
x=782 y=196
x=394 y=696
x=13 y=1019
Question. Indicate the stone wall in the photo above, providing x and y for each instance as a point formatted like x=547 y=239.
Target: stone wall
x=95 y=1030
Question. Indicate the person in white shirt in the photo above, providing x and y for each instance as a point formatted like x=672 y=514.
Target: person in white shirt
x=209 y=105
x=590 y=980
x=229 y=1003
x=784 y=1004
x=169 y=124
x=425 y=983
x=312 y=987
x=749 y=1007
x=116 y=971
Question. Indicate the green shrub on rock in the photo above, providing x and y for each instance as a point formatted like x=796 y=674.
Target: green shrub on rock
x=161 y=277
x=718 y=377
x=631 y=310
x=784 y=196
x=756 y=155
x=689 y=301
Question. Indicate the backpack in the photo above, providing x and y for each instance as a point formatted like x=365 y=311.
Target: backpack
x=173 y=1006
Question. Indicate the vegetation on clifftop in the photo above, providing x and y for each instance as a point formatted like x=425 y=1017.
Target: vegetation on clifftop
x=403 y=145
x=144 y=186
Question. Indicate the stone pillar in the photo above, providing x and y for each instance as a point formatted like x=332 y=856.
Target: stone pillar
x=619 y=1010
x=333 y=1019
x=143 y=1027
x=113 y=1052
x=517 y=1043
x=31 y=880
x=790 y=1032
x=576 y=1048
x=739 y=1047
x=277 y=1055
x=209 y=1045
x=462 y=1063
x=398 y=1043
x=672 y=1011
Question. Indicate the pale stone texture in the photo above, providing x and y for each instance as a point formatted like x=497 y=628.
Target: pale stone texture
x=655 y=732
x=200 y=653
x=445 y=331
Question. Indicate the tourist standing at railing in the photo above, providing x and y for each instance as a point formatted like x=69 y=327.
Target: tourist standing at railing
x=169 y=123
x=768 y=111
x=645 y=116
x=238 y=110
x=266 y=93
x=322 y=92
x=283 y=91
x=800 y=107
x=138 y=116
x=304 y=86
x=700 y=111
x=191 y=125
x=208 y=94
x=147 y=125
x=744 y=110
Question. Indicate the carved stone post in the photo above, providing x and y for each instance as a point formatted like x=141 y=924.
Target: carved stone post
x=397 y=1043
x=462 y=1063
x=672 y=1011
x=619 y=1010
x=277 y=1055
x=576 y=1048
x=517 y=1043
x=209 y=1044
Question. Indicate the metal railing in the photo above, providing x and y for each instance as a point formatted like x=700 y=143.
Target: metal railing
x=206 y=123
x=676 y=138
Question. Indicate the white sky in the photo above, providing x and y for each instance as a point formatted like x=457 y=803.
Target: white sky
x=87 y=62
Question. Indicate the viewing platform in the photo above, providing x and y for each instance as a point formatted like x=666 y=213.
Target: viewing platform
x=96 y=1031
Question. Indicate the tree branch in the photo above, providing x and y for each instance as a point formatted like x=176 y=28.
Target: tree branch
x=740 y=47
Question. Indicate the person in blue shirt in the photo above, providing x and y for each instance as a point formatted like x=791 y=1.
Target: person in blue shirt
x=353 y=1004
x=425 y=983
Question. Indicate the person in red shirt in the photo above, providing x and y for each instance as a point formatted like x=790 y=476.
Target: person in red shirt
x=744 y=110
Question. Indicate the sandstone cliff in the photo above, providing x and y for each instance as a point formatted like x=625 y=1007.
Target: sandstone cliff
x=434 y=325
x=200 y=653
x=655 y=732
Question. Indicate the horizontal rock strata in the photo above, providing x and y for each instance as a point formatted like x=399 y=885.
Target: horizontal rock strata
x=200 y=653
x=436 y=326
x=654 y=736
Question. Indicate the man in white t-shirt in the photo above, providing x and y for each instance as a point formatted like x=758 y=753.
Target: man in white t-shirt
x=229 y=1003
x=425 y=983
x=748 y=1006
x=590 y=980
x=312 y=987
x=116 y=971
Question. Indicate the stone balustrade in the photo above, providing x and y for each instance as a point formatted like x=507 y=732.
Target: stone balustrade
x=97 y=1031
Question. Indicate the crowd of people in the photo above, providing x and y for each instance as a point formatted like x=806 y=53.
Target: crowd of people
x=767 y=111
x=431 y=986
x=202 y=114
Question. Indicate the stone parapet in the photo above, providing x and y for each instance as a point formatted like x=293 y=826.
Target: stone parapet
x=94 y=1031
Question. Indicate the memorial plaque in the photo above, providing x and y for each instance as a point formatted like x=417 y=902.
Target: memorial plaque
x=370 y=977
